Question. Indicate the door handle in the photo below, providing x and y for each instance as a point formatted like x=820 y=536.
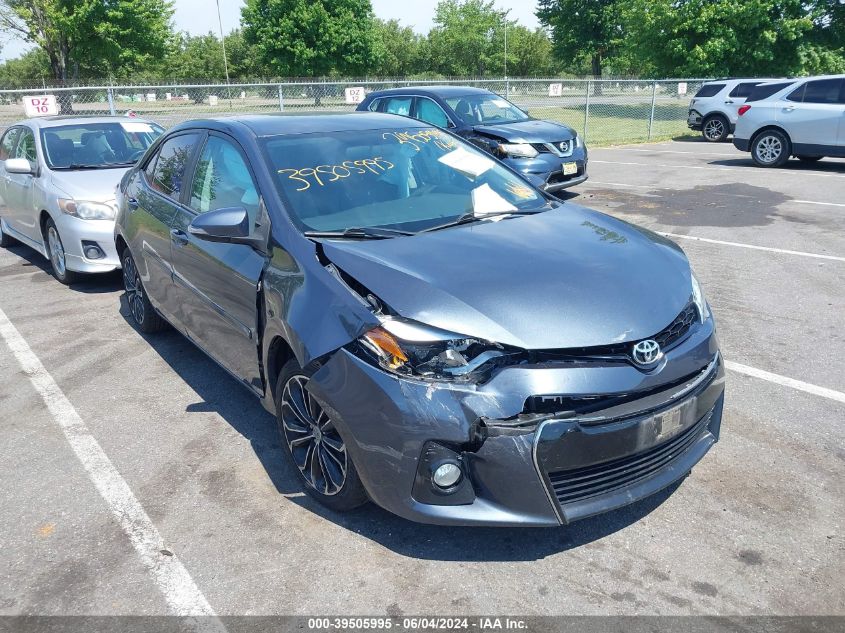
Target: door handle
x=178 y=237
x=728 y=101
x=132 y=203
x=789 y=108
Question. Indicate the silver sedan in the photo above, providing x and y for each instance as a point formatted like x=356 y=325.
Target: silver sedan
x=57 y=187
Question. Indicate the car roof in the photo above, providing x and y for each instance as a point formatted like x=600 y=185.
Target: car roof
x=433 y=91
x=289 y=124
x=57 y=121
x=739 y=80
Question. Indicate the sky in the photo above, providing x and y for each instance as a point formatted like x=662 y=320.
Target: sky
x=195 y=17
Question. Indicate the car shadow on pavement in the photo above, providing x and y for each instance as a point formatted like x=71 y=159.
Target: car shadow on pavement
x=221 y=393
x=88 y=284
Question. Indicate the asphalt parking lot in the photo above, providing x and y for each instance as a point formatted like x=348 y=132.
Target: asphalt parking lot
x=108 y=436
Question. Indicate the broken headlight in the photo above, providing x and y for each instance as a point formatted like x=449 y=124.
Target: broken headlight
x=413 y=349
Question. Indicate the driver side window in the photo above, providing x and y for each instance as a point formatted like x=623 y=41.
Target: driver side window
x=222 y=180
x=7 y=145
x=26 y=146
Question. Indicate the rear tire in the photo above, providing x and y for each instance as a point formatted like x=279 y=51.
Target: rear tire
x=810 y=159
x=143 y=314
x=56 y=254
x=770 y=148
x=314 y=445
x=715 y=128
x=6 y=240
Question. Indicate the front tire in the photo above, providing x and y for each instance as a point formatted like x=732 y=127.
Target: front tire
x=56 y=254
x=143 y=314
x=770 y=148
x=715 y=128
x=314 y=445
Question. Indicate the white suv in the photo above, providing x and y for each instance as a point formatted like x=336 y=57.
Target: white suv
x=713 y=109
x=803 y=118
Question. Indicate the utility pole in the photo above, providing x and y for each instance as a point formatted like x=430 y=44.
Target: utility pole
x=225 y=61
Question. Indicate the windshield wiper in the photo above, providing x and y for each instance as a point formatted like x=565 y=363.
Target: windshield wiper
x=372 y=233
x=82 y=166
x=472 y=216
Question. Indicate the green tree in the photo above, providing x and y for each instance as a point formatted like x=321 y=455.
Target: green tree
x=196 y=57
x=311 y=38
x=399 y=50
x=529 y=52
x=716 y=38
x=92 y=37
x=465 y=39
x=583 y=28
x=30 y=69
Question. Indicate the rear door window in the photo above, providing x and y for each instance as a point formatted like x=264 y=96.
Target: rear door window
x=170 y=165
x=398 y=105
x=822 y=91
x=709 y=90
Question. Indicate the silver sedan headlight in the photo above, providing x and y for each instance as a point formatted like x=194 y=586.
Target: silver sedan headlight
x=86 y=210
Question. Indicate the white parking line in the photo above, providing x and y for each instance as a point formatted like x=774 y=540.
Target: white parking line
x=824 y=392
x=826 y=204
x=666 y=151
x=753 y=247
x=619 y=184
x=746 y=170
x=173 y=580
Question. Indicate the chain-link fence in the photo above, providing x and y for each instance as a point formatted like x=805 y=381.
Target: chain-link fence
x=605 y=111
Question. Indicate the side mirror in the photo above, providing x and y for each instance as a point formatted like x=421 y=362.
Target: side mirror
x=18 y=166
x=222 y=225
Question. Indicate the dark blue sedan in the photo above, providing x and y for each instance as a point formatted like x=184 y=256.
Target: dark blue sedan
x=551 y=156
x=431 y=332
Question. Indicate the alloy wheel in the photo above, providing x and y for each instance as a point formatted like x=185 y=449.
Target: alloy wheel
x=134 y=291
x=769 y=149
x=314 y=442
x=714 y=129
x=57 y=251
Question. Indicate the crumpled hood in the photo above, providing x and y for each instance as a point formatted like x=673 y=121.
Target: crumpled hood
x=96 y=185
x=531 y=131
x=570 y=277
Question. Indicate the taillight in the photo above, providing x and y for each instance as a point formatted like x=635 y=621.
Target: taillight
x=743 y=109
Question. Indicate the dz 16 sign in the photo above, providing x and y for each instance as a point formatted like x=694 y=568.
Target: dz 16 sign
x=41 y=106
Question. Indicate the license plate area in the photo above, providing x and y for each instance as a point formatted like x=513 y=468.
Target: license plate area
x=570 y=169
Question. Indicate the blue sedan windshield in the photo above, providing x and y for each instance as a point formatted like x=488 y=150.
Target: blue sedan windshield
x=402 y=179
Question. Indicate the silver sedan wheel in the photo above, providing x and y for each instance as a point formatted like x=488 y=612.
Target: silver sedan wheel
x=57 y=251
x=768 y=149
x=714 y=129
x=134 y=291
x=314 y=442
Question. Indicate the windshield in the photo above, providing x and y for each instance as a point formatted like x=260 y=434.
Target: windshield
x=408 y=180
x=486 y=109
x=97 y=145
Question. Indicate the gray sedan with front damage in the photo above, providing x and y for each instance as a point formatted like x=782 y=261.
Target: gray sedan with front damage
x=431 y=333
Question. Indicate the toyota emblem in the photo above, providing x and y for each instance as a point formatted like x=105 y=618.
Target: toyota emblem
x=647 y=352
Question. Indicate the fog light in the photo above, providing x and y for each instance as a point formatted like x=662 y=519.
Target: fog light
x=92 y=250
x=447 y=475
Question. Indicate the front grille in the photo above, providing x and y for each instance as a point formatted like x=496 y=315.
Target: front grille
x=678 y=328
x=573 y=486
x=564 y=148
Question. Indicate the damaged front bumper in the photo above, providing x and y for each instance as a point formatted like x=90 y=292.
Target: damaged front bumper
x=526 y=469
